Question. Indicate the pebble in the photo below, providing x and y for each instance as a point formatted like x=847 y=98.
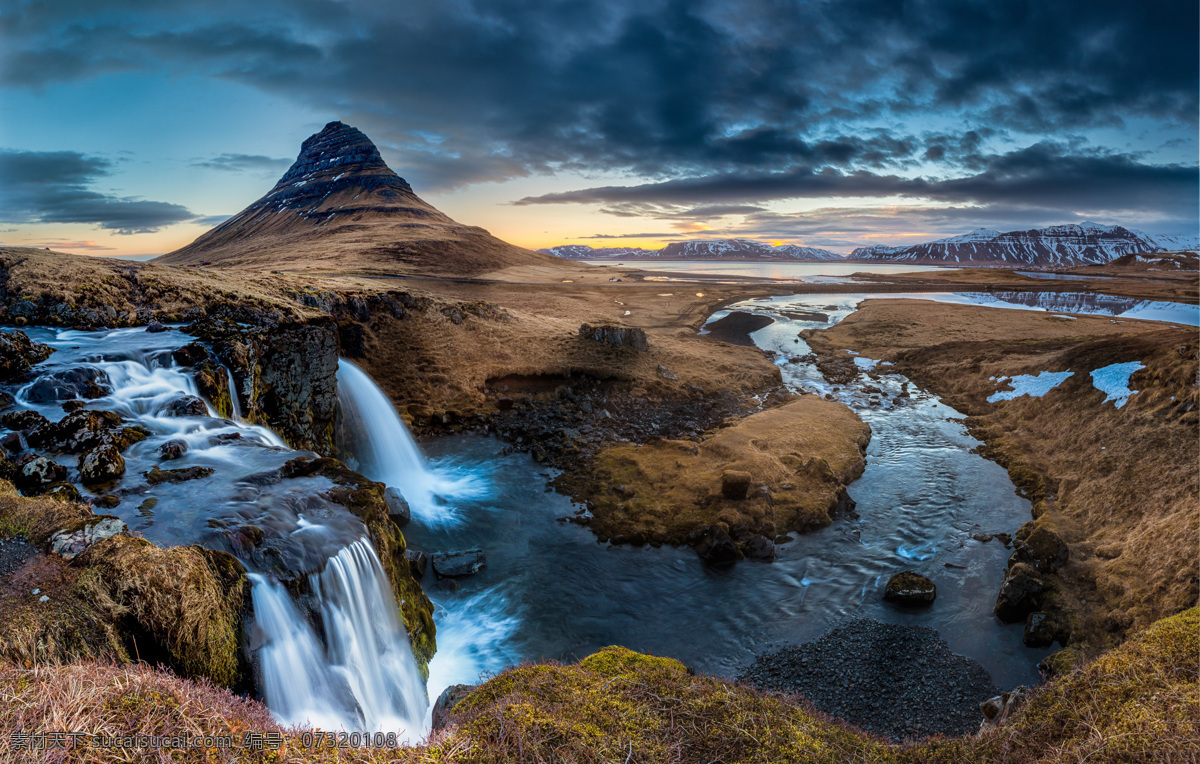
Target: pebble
x=44 y=598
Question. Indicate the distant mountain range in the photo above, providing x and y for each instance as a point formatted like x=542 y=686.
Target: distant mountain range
x=1061 y=245
x=698 y=249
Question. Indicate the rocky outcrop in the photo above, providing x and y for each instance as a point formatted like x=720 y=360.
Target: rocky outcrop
x=285 y=376
x=18 y=354
x=1040 y=547
x=444 y=705
x=365 y=499
x=617 y=336
x=910 y=589
x=84 y=382
x=69 y=544
x=37 y=474
x=1020 y=594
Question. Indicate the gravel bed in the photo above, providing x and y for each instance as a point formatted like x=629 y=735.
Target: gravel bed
x=900 y=682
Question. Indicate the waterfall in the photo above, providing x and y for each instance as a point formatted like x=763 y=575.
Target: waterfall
x=362 y=675
x=378 y=445
x=235 y=405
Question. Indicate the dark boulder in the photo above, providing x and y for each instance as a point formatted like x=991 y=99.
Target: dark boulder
x=188 y=405
x=63 y=492
x=23 y=421
x=18 y=354
x=173 y=449
x=398 y=508
x=444 y=705
x=1039 y=631
x=107 y=501
x=36 y=475
x=759 y=548
x=155 y=327
x=910 y=589
x=717 y=548
x=418 y=562
x=68 y=384
x=101 y=465
x=1020 y=594
x=458 y=564
x=1043 y=549
x=78 y=432
x=157 y=476
x=735 y=484
x=6 y=400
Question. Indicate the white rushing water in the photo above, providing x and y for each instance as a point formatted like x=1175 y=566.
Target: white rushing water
x=362 y=675
x=336 y=658
x=378 y=445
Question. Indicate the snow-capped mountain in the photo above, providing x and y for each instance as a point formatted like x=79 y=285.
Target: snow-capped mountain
x=1060 y=245
x=582 y=252
x=1175 y=242
x=698 y=249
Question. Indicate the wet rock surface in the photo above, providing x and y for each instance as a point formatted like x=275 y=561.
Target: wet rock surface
x=18 y=353
x=458 y=564
x=69 y=384
x=910 y=589
x=896 y=681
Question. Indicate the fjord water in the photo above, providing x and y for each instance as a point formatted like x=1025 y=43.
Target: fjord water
x=337 y=657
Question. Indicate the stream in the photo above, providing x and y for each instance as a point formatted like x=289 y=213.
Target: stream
x=338 y=655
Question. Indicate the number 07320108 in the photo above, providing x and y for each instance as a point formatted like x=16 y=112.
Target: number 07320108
x=343 y=739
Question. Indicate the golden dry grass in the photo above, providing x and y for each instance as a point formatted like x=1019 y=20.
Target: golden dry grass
x=1137 y=703
x=804 y=453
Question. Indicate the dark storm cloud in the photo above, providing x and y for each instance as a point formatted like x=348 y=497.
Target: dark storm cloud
x=54 y=187
x=1045 y=175
x=471 y=90
x=244 y=163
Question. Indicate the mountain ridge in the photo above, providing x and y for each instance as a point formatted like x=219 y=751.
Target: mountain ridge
x=699 y=249
x=1084 y=243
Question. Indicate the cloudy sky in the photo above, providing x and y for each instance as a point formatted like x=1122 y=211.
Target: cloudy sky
x=130 y=126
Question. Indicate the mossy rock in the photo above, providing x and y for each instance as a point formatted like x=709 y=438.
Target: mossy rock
x=182 y=606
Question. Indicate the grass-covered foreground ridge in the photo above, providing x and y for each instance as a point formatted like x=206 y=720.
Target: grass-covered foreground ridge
x=1137 y=703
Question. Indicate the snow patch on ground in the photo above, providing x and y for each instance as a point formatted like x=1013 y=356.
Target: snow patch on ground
x=1031 y=385
x=865 y=363
x=1113 y=381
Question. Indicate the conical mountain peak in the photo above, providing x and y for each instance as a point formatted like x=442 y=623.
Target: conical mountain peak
x=338 y=152
x=340 y=207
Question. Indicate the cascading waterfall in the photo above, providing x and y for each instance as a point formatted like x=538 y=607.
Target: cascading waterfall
x=339 y=658
x=363 y=674
x=378 y=445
